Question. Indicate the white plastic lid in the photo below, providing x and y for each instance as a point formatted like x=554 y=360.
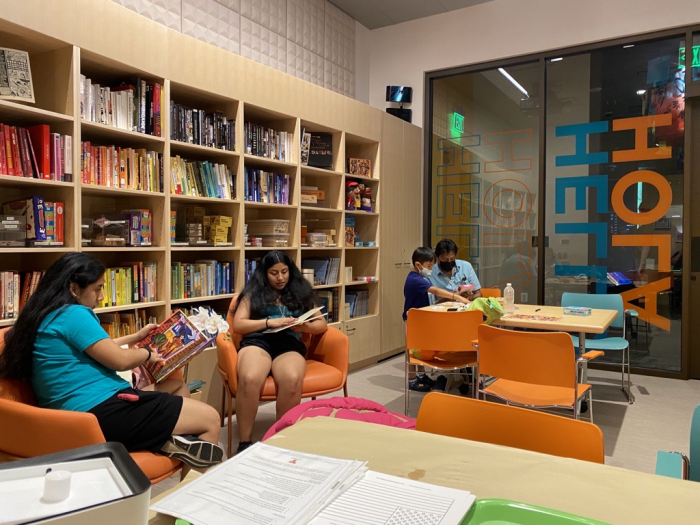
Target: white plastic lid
x=509 y=284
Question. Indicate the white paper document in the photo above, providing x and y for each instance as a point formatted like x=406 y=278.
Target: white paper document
x=381 y=499
x=263 y=486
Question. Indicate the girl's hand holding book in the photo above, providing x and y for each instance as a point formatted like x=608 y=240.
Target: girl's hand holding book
x=279 y=322
x=155 y=357
x=141 y=334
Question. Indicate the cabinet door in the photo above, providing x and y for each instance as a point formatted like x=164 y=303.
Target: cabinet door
x=363 y=335
x=412 y=195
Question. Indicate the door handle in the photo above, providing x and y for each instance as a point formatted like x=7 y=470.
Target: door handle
x=350 y=331
x=406 y=265
x=397 y=265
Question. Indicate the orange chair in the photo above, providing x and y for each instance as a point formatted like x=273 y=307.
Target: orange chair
x=30 y=431
x=327 y=363
x=449 y=333
x=534 y=369
x=491 y=292
x=508 y=426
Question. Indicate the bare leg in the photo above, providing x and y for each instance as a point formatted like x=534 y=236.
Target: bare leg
x=254 y=365
x=199 y=419
x=176 y=387
x=288 y=372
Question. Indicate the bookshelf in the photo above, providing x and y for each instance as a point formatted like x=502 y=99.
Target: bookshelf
x=200 y=76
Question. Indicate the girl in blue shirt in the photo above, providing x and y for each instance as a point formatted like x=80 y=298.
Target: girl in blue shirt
x=274 y=297
x=59 y=346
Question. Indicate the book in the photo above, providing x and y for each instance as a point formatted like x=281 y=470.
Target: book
x=321 y=150
x=305 y=147
x=267 y=142
x=308 y=316
x=39 y=136
x=15 y=76
x=33 y=209
x=360 y=167
x=177 y=340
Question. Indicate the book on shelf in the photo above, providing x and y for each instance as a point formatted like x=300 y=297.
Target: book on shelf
x=15 y=290
x=134 y=105
x=197 y=126
x=44 y=219
x=264 y=186
x=251 y=264
x=321 y=150
x=177 y=340
x=266 y=142
x=360 y=167
x=15 y=76
x=326 y=270
x=304 y=148
x=329 y=299
x=35 y=152
x=201 y=179
x=119 y=324
x=203 y=278
x=359 y=302
x=130 y=283
x=125 y=168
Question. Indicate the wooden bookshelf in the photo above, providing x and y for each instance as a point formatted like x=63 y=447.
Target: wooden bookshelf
x=200 y=76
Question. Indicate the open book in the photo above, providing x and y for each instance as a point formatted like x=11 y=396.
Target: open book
x=308 y=316
x=177 y=340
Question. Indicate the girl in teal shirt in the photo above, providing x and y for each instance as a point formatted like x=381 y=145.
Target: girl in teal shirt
x=59 y=346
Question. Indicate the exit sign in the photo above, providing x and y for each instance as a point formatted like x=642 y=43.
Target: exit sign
x=457 y=123
x=696 y=57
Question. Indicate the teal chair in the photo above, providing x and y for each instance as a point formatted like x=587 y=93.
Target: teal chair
x=677 y=465
x=605 y=342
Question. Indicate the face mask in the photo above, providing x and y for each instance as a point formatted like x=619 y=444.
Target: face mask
x=447 y=266
x=425 y=272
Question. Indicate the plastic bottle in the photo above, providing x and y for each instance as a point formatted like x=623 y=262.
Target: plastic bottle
x=509 y=295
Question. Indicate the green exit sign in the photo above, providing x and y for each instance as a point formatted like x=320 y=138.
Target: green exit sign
x=457 y=123
x=696 y=57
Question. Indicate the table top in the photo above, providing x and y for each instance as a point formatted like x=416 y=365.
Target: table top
x=601 y=492
x=596 y=323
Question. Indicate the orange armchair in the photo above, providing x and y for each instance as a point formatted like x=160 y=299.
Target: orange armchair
x=30 y=431
x=327 y=363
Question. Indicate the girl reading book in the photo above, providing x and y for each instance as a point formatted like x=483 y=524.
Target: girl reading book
x=274 y=297
x=58 y=344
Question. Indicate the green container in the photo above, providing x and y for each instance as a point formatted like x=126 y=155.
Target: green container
x=506 y=512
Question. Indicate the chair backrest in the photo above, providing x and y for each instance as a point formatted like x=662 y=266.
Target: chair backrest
x=694 y=452
x=509 y=426
x=542 y=358
x=598 y=301
x=12 y=389
x=491 y=292
x=442 y=331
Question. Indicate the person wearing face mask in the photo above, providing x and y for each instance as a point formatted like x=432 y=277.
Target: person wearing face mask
x=417 y=294
x=452 y=273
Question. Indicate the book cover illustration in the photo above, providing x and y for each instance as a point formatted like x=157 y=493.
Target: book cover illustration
x=15 y=76
x=177 y=340
x=321 y=150
x=305 y=147
x=360 y=167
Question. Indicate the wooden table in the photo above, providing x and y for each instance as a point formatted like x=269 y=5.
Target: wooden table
x=601 y=492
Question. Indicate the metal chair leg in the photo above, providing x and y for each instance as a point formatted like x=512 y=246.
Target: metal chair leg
x=590 y=405
x=406 y=394
x=230 y=423
x=223 y=404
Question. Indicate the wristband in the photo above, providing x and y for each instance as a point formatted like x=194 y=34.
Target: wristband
x=149 y=354
x=266 y=321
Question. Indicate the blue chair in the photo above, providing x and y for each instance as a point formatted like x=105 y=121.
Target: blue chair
x=677 y=465
x=603 y=341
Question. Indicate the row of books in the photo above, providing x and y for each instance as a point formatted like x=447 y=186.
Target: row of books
x=15 y=290
x=35 y=152
x=134 y=105
x=201 y=179
x=126 y=168
x=201 y=279
x=135 y=283
x=331 y=301
x=358 y=301
x=250 y=266
x=119 y=324
x=265 y=186
x=196 y=126
x=266 y=142
x=45 y=220
x=326 y=270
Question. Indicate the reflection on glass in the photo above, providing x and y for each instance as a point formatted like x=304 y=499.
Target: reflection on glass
x=485 y=173
x=615 y=124
x=695 y=58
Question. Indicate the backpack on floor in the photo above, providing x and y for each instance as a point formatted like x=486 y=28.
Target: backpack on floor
x=353 y=408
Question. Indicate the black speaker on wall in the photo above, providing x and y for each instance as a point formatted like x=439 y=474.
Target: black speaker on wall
x=403 y=114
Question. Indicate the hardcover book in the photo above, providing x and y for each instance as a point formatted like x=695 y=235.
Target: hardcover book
x=321 y=150
x=361 y=167
x=177 y=340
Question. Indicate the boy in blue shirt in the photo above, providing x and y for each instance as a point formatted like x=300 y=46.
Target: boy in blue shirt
x=416 y=291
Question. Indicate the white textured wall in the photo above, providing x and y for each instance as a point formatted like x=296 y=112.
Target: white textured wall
x=310 y=39
x=401 y=54
x=362 y=59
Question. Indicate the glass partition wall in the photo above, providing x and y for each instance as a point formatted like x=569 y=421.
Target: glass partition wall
x=581 y=153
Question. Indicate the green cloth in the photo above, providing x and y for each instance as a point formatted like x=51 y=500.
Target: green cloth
x=489 y=306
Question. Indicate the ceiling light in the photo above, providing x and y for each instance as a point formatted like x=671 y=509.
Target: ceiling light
x=514 y=82
x=641 y=91
x=675 y=216
x=558 y=59
x=627 y=46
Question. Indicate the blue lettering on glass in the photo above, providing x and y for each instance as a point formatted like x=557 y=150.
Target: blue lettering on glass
x=581 y=132
x=599 y=229
x=600 y=182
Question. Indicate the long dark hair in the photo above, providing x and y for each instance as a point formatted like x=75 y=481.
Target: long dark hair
x=297 y=295
x=52 y=293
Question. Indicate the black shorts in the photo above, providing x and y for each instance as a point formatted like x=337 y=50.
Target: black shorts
x=145 y=424
x=274 y=344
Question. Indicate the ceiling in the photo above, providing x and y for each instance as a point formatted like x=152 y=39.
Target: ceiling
x=381 y=13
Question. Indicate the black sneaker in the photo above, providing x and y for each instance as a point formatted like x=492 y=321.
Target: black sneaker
x=243 y=445
x=193 y=451
x=420 y=383
x=440 y=384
